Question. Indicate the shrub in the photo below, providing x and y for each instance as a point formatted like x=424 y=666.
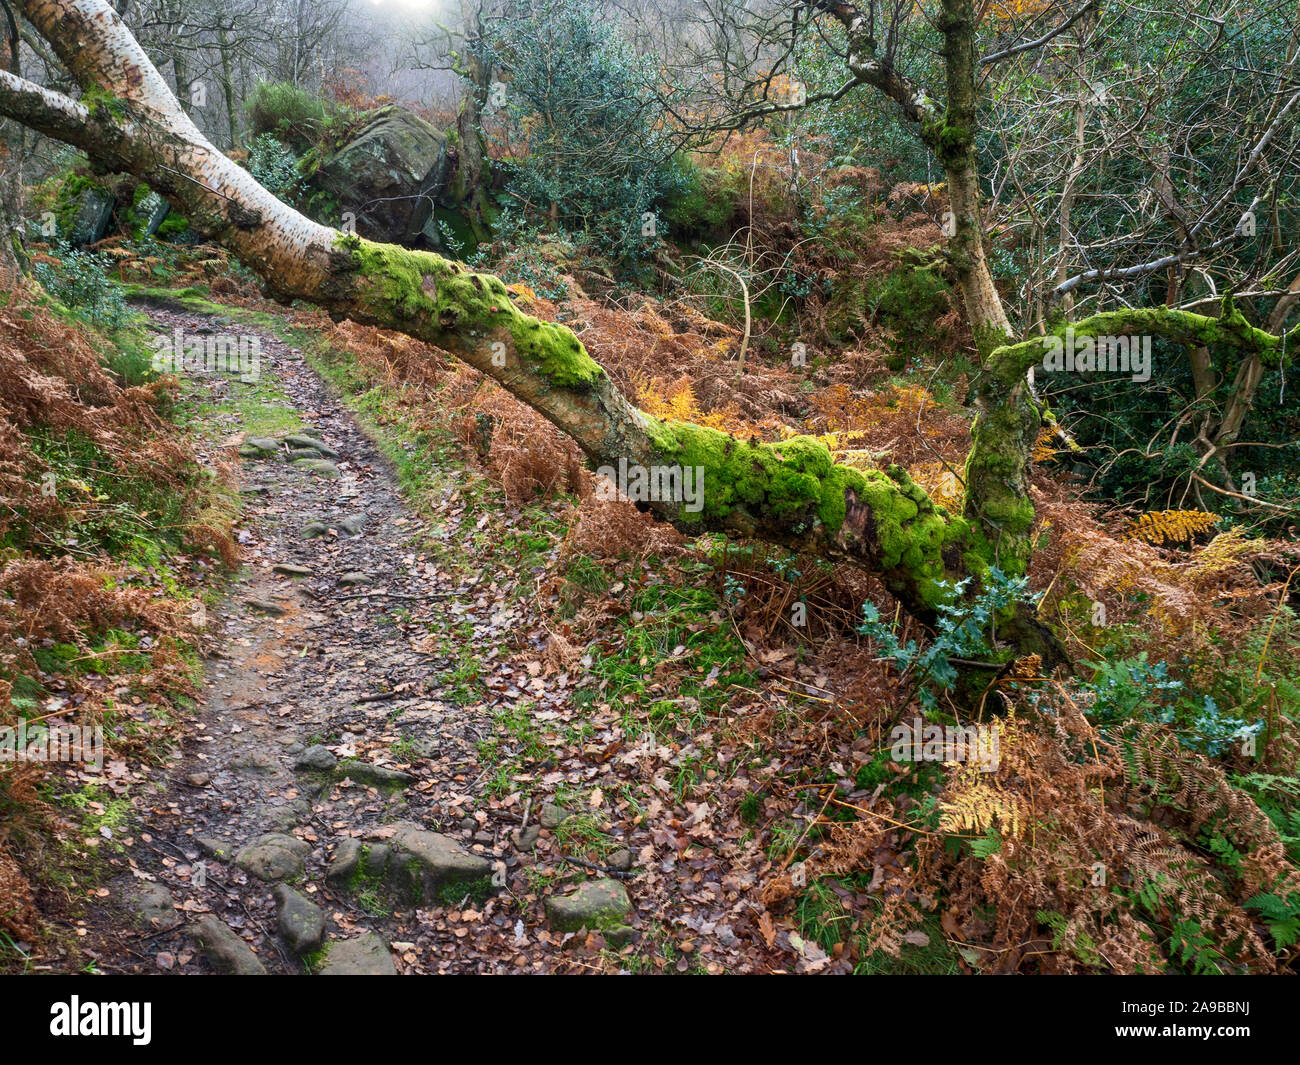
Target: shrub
x=702 y=202
x=275 y=167
x=581 y=99
x=295 y=117
x=79 y=279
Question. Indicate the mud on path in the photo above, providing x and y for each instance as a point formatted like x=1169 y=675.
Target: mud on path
x=325 y=753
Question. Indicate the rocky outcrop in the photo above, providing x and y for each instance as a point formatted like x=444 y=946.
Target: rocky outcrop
x=392 y=176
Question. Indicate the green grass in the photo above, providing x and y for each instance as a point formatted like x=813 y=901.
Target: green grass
x=663 y=619
x=515 y=749
x=583 y=836
x=119 y=509
x=96 y=811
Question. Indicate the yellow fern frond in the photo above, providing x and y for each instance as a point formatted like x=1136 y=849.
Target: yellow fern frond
x=1223 y=552
x=677 y=403
x=941 y=485
x=1171 y=526
x=978 y=807
x=1043 y=449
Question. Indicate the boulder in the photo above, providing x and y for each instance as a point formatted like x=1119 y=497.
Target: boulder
x=94 y=210
x=152 y=210
x=433 y=867
x=274 y=856
x=301 y=921
x=316 y=757
x=598 y=906
x=387 y=175
x=344 y=863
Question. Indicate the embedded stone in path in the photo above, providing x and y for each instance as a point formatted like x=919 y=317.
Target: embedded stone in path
x=227 y=952
x=344 y=863
x=352 y=524
x=432 y=866
x=525 y=839
x=290 y=570
x=597 y=905
x=266 y=606
x=378 y=775
x=314 y=529
x=153 y=904
x=256 y=447
x=301 y=921
x=552 y=816
x=352 y=578
x=254 y=763
x=323 y=467
x=364 y=956
x=316 y=757
x=274 y=856
x=273 y=817
x=214 y=848
x=302 y=440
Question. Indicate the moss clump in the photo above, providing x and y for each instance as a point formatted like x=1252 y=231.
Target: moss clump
x=783 y=480
x=466 y=310
x=100 y=103
x=948 y=140
x=796 y=483
x=314 y=961
x=68 y=200
x=477 y=891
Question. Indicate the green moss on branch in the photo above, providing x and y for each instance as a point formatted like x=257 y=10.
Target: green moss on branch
x=466 y=312
x=793 y=491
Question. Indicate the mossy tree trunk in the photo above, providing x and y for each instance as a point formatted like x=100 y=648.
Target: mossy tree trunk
x=949 y=132
x=952 y=139
x=791 y=493
x=473 y=178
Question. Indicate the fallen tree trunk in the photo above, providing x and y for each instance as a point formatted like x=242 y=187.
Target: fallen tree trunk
x=791 y=493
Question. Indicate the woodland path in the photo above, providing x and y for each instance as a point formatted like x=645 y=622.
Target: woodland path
x=324 y=754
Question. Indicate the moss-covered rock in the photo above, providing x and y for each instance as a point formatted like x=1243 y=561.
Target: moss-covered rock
x=597 y=905
x=395 y=175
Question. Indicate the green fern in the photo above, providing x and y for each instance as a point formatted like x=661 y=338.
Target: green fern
x=1281 y=915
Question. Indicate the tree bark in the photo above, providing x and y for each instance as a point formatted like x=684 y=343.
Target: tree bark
x=473 y=171
x=791 y=493
x=952 y=139
x=950 y=134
